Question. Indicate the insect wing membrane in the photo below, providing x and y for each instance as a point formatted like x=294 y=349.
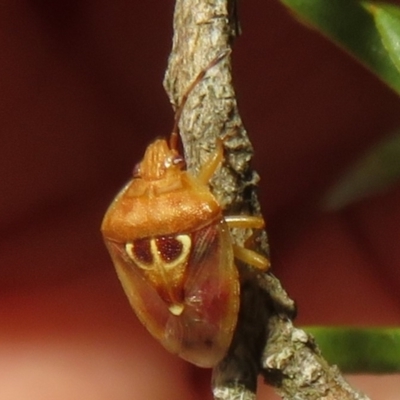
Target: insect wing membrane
x=202 y=333
x=211 y=299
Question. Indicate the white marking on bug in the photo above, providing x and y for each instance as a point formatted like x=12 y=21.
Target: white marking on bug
x=129 y=250
x=160 y=265
x=176 y=309
x=182 y=258
x=158 y=262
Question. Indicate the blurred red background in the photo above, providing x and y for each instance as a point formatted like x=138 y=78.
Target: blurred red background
x=81 y=97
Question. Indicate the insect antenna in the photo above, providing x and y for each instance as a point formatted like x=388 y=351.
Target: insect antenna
x=173 y=141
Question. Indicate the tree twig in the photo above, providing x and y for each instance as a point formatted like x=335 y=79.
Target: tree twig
x=265 y=341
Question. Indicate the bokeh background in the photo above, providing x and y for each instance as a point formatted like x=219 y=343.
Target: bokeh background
x=81 y=97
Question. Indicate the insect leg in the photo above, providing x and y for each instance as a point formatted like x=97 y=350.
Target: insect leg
x=248 y=256
x=245 y=221
x=251 y=257
x=209 y=168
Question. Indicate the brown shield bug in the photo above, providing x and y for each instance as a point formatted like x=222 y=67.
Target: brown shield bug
x=173 y=252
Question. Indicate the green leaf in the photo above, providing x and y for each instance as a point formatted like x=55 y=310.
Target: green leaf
x=350 y=25
x=374 y=173
x=387 y=20
x=359 y=350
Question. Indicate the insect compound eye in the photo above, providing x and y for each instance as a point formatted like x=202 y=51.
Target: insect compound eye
x=175 y=161
x=136 y=171
x=179 y=161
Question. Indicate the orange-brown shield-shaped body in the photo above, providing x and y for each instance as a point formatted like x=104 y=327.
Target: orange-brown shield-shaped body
x=173 y=254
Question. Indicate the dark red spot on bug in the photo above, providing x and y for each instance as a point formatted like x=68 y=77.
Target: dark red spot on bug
x=142 y=251
x=169 y=248
x=136 y=171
